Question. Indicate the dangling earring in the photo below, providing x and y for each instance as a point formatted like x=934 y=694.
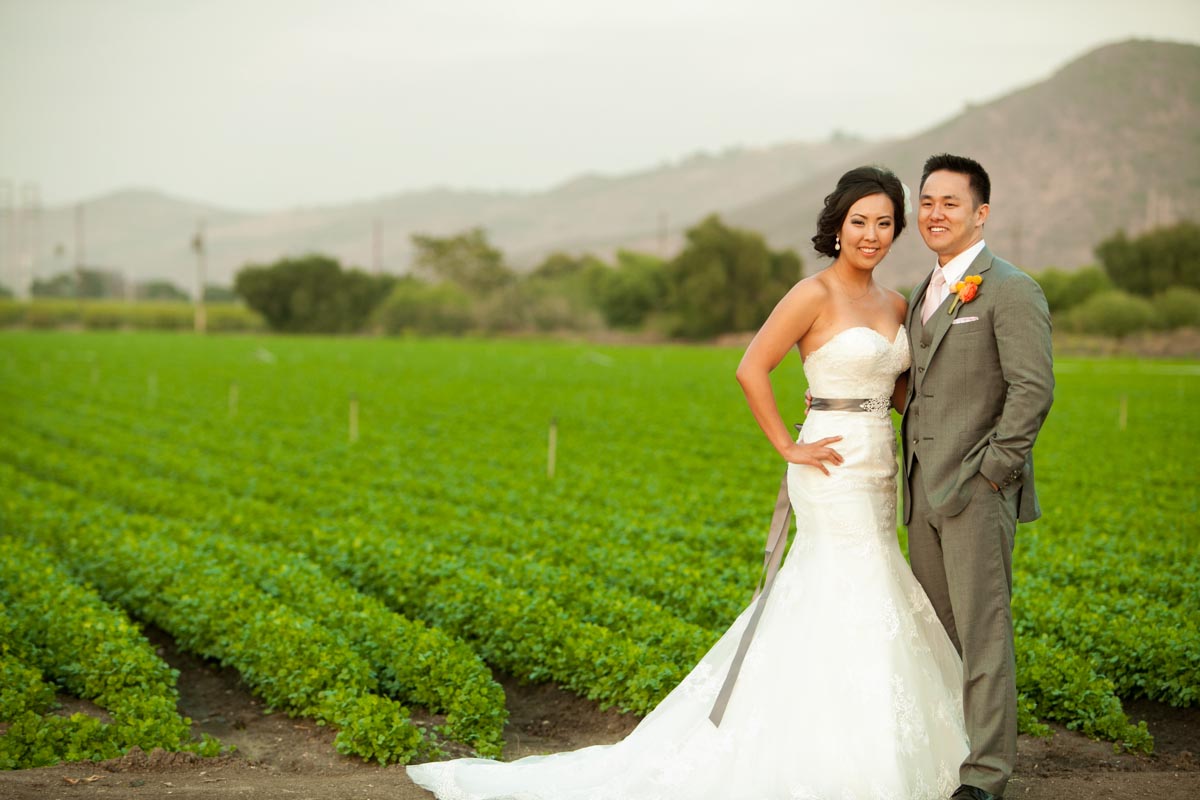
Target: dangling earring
x=837 y=242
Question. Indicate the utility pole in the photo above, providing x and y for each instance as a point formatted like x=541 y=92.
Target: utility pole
x=201 y=319
x=28 y=221
x=80 y=242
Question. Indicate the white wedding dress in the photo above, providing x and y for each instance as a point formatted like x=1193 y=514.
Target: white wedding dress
x=850 y=690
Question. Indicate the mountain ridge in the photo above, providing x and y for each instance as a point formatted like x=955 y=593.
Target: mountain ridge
x=1099 y=146
x=1108 y=141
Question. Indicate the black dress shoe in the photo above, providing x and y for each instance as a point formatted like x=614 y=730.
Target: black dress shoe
x=972 y=793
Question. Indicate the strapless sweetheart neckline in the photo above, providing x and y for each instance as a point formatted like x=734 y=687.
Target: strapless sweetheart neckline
x=895 y=337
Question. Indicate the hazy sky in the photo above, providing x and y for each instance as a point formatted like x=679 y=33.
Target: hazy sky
x=259 y=104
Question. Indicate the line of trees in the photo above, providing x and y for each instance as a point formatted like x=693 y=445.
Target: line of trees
x=90 y=283
x=1147 y=282
x=724 y=279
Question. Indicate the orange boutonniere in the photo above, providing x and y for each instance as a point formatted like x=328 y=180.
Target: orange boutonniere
x=966 y=289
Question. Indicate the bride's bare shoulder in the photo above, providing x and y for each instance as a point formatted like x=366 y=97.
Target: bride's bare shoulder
x=795 y=313
x=813 y=289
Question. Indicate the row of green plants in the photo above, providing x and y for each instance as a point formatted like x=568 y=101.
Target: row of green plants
x=442 y=508
x=587 y=638
x=409 y=660
x=94 y=314
x=292 y=662
x=35 y=737
x=1112 y=572
x=1090 y=705
x=655 y=572
x=664 y=565
x=61 y=631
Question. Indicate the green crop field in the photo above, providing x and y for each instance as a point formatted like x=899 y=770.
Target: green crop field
x=361 y=526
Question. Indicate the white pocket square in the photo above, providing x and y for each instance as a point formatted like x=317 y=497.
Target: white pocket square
x=964 y=320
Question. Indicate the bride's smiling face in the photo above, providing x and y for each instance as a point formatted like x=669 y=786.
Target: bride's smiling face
x=868 y=231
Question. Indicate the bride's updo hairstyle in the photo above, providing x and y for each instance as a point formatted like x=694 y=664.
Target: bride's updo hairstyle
x=856 y=184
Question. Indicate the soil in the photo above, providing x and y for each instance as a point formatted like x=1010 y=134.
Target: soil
x=294 y=759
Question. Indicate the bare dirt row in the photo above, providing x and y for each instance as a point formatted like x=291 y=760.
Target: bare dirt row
x=294 y=759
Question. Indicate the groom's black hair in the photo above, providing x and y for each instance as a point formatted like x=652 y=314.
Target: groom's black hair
x=856 y=184
x=980 y=183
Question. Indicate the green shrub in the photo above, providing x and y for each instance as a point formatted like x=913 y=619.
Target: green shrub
x=312 y=294
x=1161 y=257
x=52 y=313
x=12 y=312
x=103 y=316
x=233 y=317
x=1066 y=290
x=425 y=308
x=163 y=316
x=1177 y=307
x=1111 y=313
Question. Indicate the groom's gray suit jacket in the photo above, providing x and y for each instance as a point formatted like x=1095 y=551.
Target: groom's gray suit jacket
x=981 y=384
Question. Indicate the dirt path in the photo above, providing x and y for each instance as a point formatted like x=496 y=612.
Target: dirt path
x=293 y=759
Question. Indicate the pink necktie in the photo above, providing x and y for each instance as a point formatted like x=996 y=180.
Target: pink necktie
x=933 y=296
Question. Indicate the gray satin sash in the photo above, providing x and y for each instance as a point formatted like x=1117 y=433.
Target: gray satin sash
x=772 y=557
x=844 y=404
x=776 y=541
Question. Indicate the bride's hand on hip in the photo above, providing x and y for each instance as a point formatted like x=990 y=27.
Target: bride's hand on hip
x=814 y=454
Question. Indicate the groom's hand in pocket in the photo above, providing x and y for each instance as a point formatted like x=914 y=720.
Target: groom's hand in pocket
x=814 y=454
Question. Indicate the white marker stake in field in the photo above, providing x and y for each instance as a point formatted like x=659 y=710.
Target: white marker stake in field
x=353 y=418
x=233 y=399
x=552 y=447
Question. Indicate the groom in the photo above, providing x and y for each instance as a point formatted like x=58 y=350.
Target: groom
x=980 y=387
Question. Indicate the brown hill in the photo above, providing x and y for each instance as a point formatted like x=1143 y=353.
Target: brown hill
x=1110 y=141
x=146 y=234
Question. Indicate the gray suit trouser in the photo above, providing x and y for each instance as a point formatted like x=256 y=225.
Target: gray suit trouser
x=964 y=563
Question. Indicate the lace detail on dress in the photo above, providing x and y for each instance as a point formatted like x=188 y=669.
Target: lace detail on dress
x=702 y=684
x=857 y=362
x=439 y=779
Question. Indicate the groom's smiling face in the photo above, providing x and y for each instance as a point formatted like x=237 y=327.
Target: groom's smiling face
x=949 y=219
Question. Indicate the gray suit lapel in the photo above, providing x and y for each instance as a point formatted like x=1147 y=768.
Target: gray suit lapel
x=941 y=320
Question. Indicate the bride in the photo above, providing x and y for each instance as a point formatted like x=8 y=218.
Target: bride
x=837 y=682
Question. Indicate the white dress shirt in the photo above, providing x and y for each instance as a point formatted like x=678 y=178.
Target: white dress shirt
x=953 y=272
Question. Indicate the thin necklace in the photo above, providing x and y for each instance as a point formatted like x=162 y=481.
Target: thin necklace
x=842 y=286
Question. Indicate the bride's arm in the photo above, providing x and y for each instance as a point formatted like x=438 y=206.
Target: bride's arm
x=788 y=323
